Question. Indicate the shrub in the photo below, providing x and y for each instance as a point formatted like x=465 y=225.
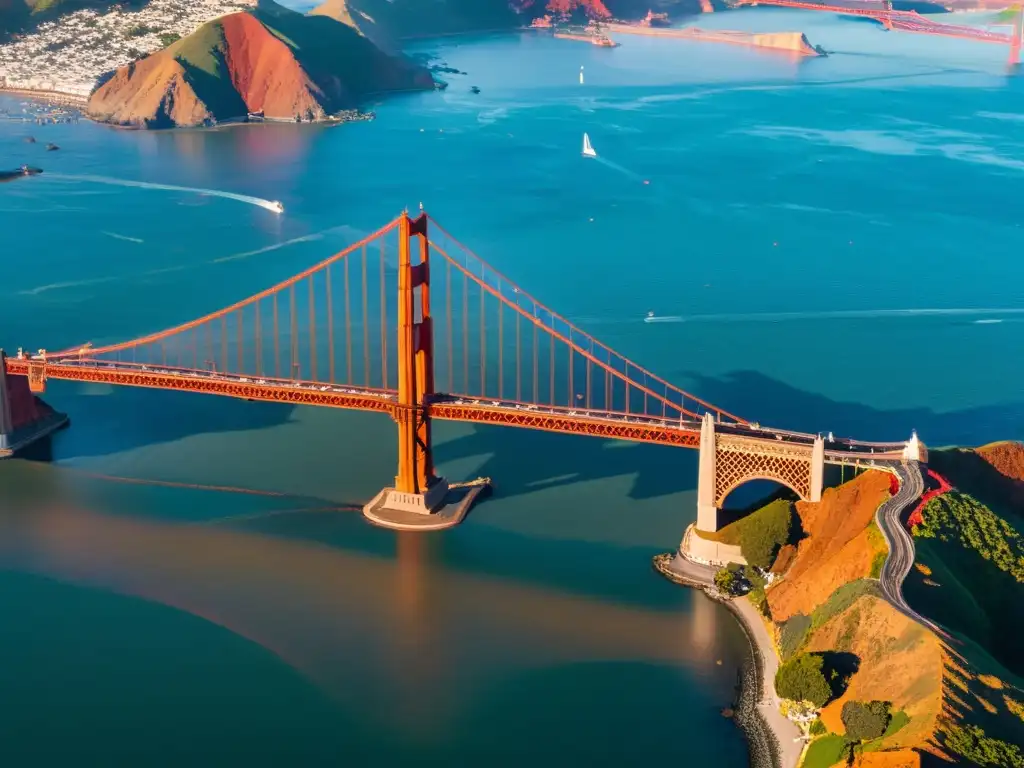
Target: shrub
x=866 y=720
x=756 y=594
x=877 y=562
x=970 y=742
x=727 y=581
x=793 y=634
x=801 y=679
x=818 y=728
x=956 y=516
x=827 y=751
x=842 y=599
x=765 y=532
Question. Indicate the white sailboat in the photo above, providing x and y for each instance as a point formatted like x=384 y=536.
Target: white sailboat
x=581 y=75
x=588 y=149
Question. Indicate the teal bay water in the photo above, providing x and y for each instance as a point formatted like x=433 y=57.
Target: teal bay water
x=837 y=241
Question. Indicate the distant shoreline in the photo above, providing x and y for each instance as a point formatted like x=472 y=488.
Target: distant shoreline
x=52 y=97
x=60 y=98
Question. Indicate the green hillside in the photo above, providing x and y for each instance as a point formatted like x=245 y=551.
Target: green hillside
x=970 y=578
x=202 y=55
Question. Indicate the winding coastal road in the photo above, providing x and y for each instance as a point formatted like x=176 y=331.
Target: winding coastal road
x=901 y=544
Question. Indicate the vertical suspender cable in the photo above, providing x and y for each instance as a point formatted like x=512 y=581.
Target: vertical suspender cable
x=536 y=346
x=259 y=343
x=519 y=386
x=277 y=341
x=465 y=333
x=366 y=327
x=348 y=329
x=448 y=320
x=241 y=342
x=383 y=323
x=501 y=345
x=330 y=327
x=551 y=368
x=483 y=338
x=296 y=370
x=313 y=372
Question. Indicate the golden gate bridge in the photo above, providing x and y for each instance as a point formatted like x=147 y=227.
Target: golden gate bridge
x=908 y=21
x=410 y=323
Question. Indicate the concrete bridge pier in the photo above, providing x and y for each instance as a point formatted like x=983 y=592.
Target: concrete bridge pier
x=24 y=418
x=727 y=461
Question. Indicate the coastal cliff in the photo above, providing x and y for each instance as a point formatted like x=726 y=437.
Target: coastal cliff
x=271 y=60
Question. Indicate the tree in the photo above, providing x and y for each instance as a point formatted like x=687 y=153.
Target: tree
x=727 y=581
x=801 y=679
x=865 y=720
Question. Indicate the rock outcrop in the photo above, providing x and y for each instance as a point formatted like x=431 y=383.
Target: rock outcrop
x=154 y=92
x=271 y=61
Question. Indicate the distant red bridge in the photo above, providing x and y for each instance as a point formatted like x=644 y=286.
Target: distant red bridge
x=908 y=21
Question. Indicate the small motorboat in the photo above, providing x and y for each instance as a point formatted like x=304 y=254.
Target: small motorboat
x=474 y=89
x=52 y=147
x=25 y=170
x=276 y=206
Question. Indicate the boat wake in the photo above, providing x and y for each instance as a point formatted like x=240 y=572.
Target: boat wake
x=621 y=169
x=270 y=205
x=665 y=319
x=123 y=237
x=853 y=314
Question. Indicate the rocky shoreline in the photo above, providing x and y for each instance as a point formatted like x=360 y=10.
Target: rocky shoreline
x=762 y=742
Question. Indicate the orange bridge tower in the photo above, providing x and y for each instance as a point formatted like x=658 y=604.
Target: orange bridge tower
x=417 y=491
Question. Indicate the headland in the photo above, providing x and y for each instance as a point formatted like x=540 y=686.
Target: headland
x=824 y=630
x=790 y=42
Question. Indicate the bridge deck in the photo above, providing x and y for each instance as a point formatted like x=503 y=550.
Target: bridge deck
x=578 y=421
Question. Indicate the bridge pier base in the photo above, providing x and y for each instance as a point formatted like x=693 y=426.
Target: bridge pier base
x=24 y=418
x=442 y=506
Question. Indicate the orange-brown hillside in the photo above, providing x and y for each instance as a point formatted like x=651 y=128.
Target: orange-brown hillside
x=841 y=544
x=1006 y=458
x=993 y=474
x=901 y=758
x=270 y=60
x=898 y=661
x=154 y=89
